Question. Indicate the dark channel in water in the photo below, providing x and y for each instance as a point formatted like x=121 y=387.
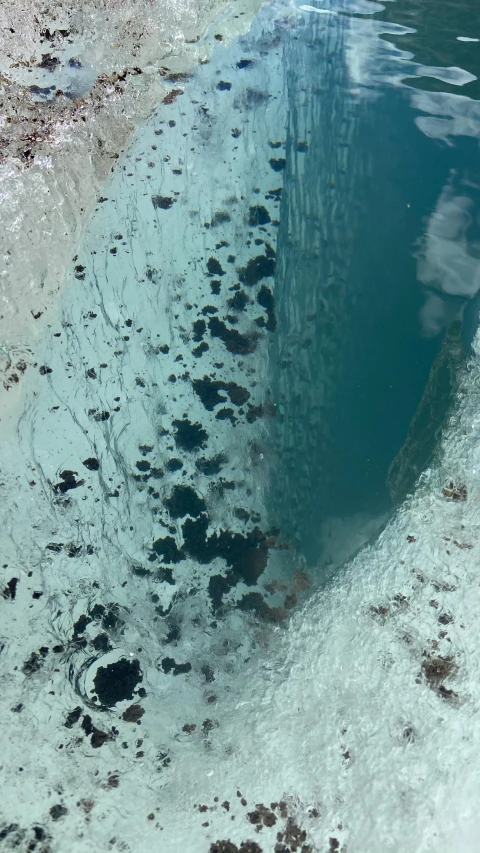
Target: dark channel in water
x=377 y=259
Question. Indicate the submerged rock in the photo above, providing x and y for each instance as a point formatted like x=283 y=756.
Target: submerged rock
x=117 y=681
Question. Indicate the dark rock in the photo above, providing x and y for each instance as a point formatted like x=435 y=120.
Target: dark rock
x=266 y=300
x=56 y=547
x=241 y=513
x=278 y=164
x=99 y=738
x=246 y=555
x=33 y=664
x=73 y=717
x=92 y=464
x=237 y=394
x=209 y=392
x=101 y=643
x=253 y=413
x=167 y=548
x=169 y=665
x=80 y=272
x=235 y=342
x=208 y=673
x=274 y=194
x=195 y=539
x=162 y=202
x=214 y=267
x=98 y=416
x=213 y=466
x=117 y=681
x=10 y=590
x=69 y=482
x=184 y=501
x=48 y=62
x=239 y=301
x=189 y=436
x=73 y=550
x=258 y=215
x=218 y=586
x=257 y=268
x=198 y=351
x=7 y=830
x=173 y=635
x=58 y=811
x=145 y=448
x=87 y=724
x=199 y=329
x=81 y=624
x=245 y=63
x=174 y=465
x=224 y=86
x=133 y=714
x=220 y=217
x=226 y=415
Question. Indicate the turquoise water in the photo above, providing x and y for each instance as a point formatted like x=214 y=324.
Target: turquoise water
x=362 y=314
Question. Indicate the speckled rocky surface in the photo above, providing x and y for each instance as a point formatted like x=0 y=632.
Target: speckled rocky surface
x=75 y=80
x=159 y=688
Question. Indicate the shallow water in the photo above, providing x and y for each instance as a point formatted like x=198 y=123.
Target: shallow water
x=260 y=343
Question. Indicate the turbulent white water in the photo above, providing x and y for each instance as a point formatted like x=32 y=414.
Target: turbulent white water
x=155 y=693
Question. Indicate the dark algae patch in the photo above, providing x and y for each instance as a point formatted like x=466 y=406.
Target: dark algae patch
x=162 y=202
x=189 y=436
x=239 y=301
x=117 y=681
x=258 y=215
x=246 y=555
x=263 y=266
x=234 y=341
x=92 y=464
x=167 y=548
x=184 y=501
x=209 y=392
x=68 y=481
x=278 y=164
x=212 y=466
x=170 y=665
x=214 y=267
x=266 y=300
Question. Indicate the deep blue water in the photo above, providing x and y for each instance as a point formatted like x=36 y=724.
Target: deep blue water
x=364 y=300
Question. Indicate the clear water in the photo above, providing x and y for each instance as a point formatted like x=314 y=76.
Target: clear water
x=204 y=439
x=362 y=311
